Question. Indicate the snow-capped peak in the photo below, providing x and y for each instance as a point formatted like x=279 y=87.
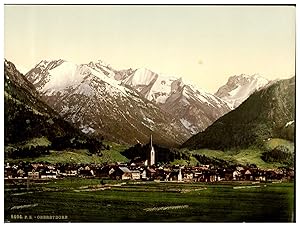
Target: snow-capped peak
x=63 y=76
x=239 y=87
x=58 y=75
x=142 y=76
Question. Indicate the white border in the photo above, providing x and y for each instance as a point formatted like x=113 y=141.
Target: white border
x=149 y=2
x=240 y=2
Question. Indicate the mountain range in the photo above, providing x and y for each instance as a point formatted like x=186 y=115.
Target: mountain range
x=125 y=106
x=98 y=104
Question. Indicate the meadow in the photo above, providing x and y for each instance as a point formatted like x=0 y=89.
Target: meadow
x=95 y=200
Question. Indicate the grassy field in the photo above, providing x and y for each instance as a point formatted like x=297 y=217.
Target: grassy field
x=243 y=157
x=83 y=200
x=81 y=156
x=248 y=156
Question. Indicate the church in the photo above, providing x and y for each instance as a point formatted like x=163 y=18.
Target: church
x=150 y=161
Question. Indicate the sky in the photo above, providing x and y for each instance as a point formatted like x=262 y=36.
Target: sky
x=203 y=44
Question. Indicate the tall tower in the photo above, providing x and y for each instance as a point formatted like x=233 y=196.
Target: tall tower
x=152 y=153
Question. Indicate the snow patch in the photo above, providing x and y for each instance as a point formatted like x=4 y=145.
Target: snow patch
x=149 y=120
x=162 y=99
x=185 y=123
x=85 y=89
x=64 y=110
x=148 y=126
x=289 y=123
x=71 y=75
x=63 y=76
x=142 y=76
x=243 y=91
x=188 y=125
x=86 y=129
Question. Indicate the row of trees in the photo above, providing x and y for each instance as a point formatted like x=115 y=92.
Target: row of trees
x=59 y=144
x=28 y=152
x=279 y=154
x=163 y=155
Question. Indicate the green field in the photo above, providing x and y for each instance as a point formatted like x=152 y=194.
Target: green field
x=83 y=200
x=248 y=156
x=114 y=154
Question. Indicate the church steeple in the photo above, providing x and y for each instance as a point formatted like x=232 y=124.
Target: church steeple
x=152 y=153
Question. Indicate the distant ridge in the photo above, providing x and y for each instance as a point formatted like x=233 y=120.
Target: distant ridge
x=267 y=113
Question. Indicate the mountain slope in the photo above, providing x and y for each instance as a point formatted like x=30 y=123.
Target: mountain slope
x=239 y=88
x=195 y=108
x=28 y=118
x=267 y=113
x=89 y=96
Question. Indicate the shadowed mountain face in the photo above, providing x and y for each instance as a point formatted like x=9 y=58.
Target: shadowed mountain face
x=267 y=113
x=28 y=117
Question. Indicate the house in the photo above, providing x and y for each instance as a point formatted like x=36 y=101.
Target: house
x=236 y=175
x=135 y=175
x=228 y=174
x=20 y=173
x=33 y=175
x=175 y=175
x=212 y=176
x=291 y=174
x=248 y=175
x=188 y=175
x=8 y=171
x=150 y=173
x=48 y=173
x=270 y=175
x=162 y=174
x=240 y=168
x=208 y=176
x=71 y=171
x=143 y=174
x=104 y=171
x=121 y=173
x=260 y=176
x=85 y=171
x=198 y=175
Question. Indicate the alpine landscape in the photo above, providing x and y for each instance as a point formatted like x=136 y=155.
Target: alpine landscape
x=90 y=141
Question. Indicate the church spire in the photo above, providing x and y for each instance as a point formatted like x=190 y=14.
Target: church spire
x=152 y=152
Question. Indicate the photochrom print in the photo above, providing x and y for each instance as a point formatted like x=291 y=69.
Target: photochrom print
x=149 y=113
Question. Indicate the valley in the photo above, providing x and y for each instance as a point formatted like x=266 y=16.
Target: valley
x=74 y=94
x=89 y=137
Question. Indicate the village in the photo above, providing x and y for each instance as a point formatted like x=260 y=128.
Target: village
x=147 y=170
x=132 y=171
